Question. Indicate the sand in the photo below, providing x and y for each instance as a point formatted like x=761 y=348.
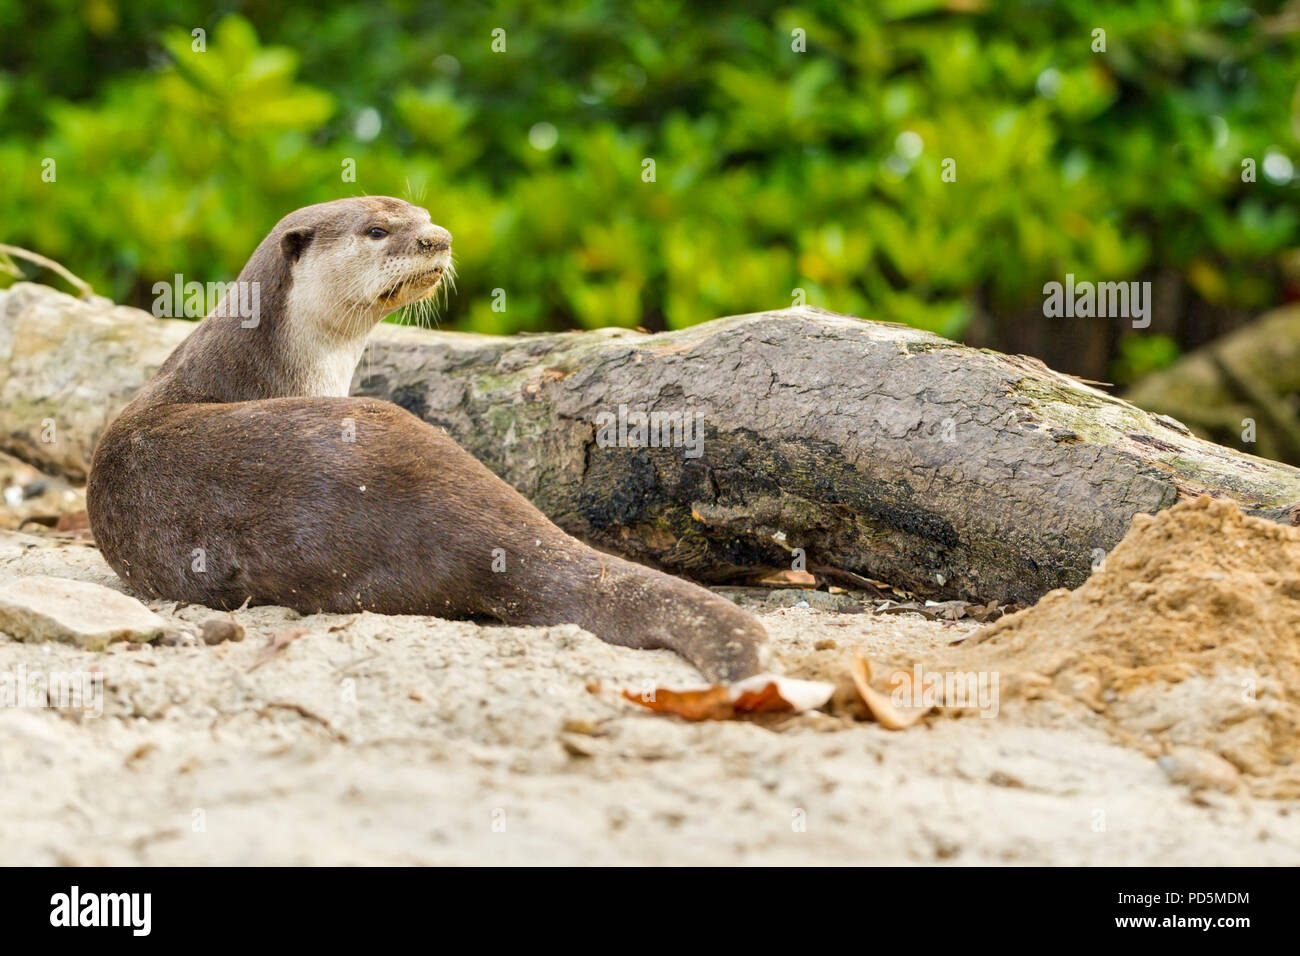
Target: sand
x=412 y=740
x=1186 y=641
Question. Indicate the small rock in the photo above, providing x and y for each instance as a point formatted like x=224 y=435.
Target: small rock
x=218 y=630
x=175 y=637
x=822 y=600
x=41 y=608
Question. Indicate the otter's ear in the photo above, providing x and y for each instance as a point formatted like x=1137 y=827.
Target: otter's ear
x=295 y=242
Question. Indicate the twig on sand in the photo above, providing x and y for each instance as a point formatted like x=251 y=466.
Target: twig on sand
x=302 y=711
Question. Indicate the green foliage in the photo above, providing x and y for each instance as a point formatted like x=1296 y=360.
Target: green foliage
x=775 y=170
x=1140 y=354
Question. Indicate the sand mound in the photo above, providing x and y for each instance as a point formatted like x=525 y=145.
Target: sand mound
x=1186 y=639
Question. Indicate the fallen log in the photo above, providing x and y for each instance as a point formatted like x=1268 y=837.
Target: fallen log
x=824 y=441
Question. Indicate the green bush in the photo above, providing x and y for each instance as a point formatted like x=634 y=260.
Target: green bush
x=776 y=170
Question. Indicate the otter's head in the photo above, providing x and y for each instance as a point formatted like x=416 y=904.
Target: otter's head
x=351 y=262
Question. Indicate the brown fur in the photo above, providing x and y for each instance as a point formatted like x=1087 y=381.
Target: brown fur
x=233 y=452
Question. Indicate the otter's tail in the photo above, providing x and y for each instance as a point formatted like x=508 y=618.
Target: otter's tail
x=633 y=606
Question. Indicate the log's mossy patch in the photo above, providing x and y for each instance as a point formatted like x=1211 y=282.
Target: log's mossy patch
x=923 y=348
x=1060 y=394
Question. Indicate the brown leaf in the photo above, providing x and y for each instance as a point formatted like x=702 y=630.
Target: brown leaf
x=984 y=613
x=881 y=707
x=908 y=607
x=73 y=521
x=764 y=700
x=703 y=703
x=950 y=610
x=794 y=694
x=787 y=579
x=761 y=694
x=875 y=589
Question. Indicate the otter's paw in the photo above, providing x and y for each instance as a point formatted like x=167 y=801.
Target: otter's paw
x=732 y=655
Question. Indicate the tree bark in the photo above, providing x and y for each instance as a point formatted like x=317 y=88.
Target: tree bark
x=874 y=449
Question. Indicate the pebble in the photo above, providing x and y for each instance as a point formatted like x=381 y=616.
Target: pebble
x=218 y=630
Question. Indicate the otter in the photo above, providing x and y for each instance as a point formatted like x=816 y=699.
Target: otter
x=244 y=473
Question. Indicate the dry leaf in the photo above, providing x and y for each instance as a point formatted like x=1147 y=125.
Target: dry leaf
x=907 y=607
x=73 y=521
x=760 y=700
x=796 y=695
x=761 y=694
x=881 y=707
x=697 y=703
x=787 y=579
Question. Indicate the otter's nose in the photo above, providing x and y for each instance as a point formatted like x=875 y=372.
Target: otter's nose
x=436 y=239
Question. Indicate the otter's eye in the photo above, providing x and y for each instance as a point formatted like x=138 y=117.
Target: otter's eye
x=377 y=233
